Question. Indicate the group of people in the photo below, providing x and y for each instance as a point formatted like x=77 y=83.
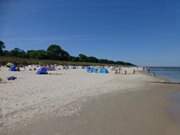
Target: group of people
x=124 y=71
x=113 y=69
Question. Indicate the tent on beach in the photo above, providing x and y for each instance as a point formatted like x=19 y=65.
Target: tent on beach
x=103 y=71
x=92 y=70
x=42 y=70
x=97 y=70
x=89 y=69
x=13 y=68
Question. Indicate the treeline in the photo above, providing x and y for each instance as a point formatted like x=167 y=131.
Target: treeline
x=55 y=52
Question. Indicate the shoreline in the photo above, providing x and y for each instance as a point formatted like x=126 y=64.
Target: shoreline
x=77 y=95
x=165 y=77
x=161 y=79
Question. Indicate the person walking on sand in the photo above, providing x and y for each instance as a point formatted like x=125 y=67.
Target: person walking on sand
x=116 y=71
x=134 y=71
x=125 y=72
x=120 y=70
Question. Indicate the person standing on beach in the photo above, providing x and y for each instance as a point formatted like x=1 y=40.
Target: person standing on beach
x=120 y=70
x=134 y=71
x=125 y=72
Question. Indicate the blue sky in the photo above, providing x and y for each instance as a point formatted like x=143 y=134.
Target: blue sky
x=145 y=32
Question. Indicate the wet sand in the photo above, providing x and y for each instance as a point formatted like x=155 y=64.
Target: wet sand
x=145 y=111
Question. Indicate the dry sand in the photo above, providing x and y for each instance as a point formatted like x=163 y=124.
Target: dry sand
x=75 y=102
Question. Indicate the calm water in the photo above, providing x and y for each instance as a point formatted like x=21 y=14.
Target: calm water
x=171 y=73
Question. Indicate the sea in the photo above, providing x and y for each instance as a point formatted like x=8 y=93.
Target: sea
x=170 y=73
x=173 y=75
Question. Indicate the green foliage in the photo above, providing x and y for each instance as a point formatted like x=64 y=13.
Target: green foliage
x=83 y=57
x=57 y=53
x=18 y=53
x=92 y=59
x=54 y=51
x=2 y=46
x=53 y=54
x=37 y=54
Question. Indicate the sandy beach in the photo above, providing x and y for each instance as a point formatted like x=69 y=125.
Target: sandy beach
x=89 y=67
x=76 y=102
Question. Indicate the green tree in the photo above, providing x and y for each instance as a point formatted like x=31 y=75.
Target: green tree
x=18 y=52
x=6 y=53
x=74 y=59
x=56 y=52
x=83 y=57
x=2 y=47
x=64 y=55
x=37 y=54
x=92 y=59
